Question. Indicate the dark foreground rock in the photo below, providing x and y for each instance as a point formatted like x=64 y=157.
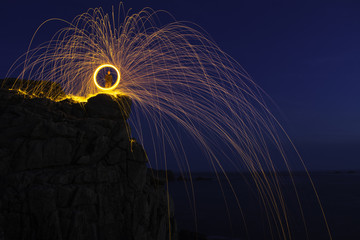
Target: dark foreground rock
x=72 y=171
x=189 y=235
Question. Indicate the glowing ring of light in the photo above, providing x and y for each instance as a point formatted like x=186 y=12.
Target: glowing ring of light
x=117 y=80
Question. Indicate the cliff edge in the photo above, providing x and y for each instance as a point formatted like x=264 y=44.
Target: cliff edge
x=71 y=170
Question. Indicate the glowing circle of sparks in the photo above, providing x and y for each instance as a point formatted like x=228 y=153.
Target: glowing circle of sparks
x=117 y=79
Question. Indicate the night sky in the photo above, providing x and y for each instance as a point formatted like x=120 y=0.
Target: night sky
x=305 y=55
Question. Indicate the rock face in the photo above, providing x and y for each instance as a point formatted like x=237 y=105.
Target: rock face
x=72 y=171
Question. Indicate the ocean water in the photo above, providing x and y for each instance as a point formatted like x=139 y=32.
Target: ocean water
x=219 y=217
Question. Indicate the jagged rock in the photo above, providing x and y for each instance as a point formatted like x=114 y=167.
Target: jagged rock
x=189 y=235
x=69 y=171
x=115 y=156
x=106 y=106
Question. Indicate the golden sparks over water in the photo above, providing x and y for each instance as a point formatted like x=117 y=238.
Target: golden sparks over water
x=177 y=78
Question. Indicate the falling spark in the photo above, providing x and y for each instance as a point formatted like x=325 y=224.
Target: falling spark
x=176 y=77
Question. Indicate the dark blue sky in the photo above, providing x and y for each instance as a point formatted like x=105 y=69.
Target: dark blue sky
x=305 y=55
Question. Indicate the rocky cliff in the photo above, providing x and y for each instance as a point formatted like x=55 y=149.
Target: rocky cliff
x=72 y=171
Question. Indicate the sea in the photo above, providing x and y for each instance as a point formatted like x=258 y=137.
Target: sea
x=237 y=211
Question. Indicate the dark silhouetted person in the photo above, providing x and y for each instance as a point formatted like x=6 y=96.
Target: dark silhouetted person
x=108 y=80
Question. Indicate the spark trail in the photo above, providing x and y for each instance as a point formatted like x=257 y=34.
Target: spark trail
x=176 y=77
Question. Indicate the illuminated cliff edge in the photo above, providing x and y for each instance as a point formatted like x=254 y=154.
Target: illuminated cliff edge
x=71 y=171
